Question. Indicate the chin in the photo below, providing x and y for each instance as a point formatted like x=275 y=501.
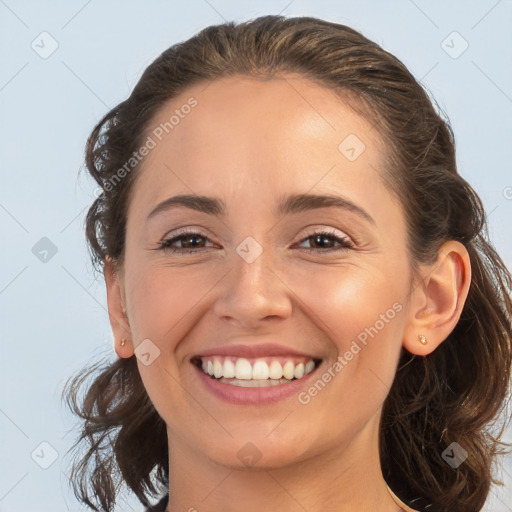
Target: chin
x=256 y=453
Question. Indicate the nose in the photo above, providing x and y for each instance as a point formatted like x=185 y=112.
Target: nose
x=253 y=292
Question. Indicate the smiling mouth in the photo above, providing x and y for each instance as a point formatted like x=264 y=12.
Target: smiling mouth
x=254 y=373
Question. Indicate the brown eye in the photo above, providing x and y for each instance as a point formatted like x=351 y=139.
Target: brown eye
x=190 y=242
x=324 y=240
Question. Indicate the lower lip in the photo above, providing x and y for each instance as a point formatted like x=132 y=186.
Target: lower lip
x=253 y=396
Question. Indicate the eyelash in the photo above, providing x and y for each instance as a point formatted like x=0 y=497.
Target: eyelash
x=165 y=245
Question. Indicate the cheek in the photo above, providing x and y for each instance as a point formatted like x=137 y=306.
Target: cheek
x=164 y=303
x=359 y=312
x=346 y=301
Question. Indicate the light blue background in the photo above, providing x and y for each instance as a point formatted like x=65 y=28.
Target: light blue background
x=54 y=317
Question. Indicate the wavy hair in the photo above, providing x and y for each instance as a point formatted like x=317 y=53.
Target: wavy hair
x=455 y=394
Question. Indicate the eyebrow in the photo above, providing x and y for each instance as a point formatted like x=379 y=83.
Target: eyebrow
x=287 y=205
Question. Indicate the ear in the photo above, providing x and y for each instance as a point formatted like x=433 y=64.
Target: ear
x=438 y=298
x=116 y=309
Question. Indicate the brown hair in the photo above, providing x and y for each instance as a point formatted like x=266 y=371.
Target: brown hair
x=455 y=394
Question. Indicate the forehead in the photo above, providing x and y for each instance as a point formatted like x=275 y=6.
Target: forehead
x=271 y=133
x=285 y=106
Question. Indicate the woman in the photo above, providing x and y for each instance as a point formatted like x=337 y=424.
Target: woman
x=306 y=310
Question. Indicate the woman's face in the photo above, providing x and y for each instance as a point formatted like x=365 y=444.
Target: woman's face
x=256 y=286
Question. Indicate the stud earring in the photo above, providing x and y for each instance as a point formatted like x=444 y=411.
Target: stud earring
x=423 y=339
x=123 y=341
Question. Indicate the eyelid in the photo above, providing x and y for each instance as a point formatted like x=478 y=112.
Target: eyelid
x=184 y=231
x=316 y=228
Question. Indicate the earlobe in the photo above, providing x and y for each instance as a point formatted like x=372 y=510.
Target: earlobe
x=438 y=300
x=116 y=310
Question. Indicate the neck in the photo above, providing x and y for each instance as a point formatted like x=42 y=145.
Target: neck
x=345 y=479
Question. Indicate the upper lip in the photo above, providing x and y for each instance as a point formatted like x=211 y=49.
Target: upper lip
x=253 y=351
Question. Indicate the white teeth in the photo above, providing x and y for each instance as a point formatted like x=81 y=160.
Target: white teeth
x=310 y=365
x=288 y=370
x=276 y=370
x=254 y=383
x=299 y=371
x=228 y=369
x=260 y=370
x=242 y=370
x=217 y=368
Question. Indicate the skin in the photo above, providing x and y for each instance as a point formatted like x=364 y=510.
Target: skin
x=248 y=143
